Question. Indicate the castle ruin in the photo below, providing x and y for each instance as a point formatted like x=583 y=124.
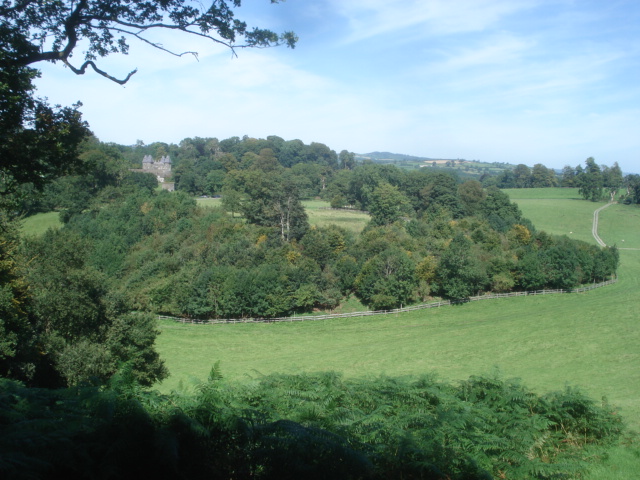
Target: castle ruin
x=160 y=168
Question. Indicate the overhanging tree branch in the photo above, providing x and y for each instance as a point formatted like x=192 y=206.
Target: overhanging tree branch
x=63 y=24
x=90 y=63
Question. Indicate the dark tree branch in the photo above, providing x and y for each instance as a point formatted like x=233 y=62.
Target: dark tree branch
x=83 y=68
x=70 y=29
x=169 y=26
x=70 y=26
x=18 y=7
x=161 y=47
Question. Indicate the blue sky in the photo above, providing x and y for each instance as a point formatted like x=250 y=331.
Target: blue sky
x=518 y=81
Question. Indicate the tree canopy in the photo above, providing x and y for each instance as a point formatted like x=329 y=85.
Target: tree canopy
x=51 y=31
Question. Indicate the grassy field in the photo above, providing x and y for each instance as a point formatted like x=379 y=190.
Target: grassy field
x=613 y=228
x=587 y=339
x=320 y=215
x=209 y=202
x=557 y=210
x=590 y=340
x=618 y=225
x=40 y=222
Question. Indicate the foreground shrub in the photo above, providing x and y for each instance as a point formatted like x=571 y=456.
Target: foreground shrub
x=302 y=426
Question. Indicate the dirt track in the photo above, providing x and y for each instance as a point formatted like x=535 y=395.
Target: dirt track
x=594 y=228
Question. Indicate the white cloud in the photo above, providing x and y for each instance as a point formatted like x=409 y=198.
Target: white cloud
x=501 y=49
x=369 y=18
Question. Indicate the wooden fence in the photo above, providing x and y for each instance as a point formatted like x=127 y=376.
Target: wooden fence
x=422 y=306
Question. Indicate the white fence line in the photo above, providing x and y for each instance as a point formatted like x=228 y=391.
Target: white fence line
x=422 y=306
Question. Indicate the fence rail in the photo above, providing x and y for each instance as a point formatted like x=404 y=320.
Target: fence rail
x=422 y=306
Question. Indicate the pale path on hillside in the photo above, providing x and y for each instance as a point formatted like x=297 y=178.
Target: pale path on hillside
x=594 y=229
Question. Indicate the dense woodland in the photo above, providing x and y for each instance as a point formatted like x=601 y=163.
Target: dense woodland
x=430 y=234
x=78 y=305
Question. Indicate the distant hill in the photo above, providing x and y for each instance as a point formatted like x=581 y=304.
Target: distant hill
x=392 y=156
x=464 y=168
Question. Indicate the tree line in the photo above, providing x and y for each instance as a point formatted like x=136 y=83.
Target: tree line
x=429 y=234
x=202 y=164
x=209 y=167
x=595 y=182
x=127 y=247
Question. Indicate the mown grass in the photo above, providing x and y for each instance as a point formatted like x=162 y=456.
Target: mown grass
x=209 y=202
x=321 y=215
x=39 y=223
x=557 y=210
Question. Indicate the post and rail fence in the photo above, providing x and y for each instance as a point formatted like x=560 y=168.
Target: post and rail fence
x=366 y=313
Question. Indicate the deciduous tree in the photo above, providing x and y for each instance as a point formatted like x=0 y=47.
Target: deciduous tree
x=387 y=280
x=591 y=181
x=347 y=159
x=37 y=142
x=522 y=176
x=542 y=177
x=632 y=183
x=387 y=205
x=612 y=180
x=471 y=195
x=498 y=209
x=460 y=274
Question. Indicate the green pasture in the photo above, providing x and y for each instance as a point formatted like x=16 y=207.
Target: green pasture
x=321 y=215
x=613 y=228
x=557 y=210
x=40 y=222
x=546 y=341
x=209 y=202
x=590 y=340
